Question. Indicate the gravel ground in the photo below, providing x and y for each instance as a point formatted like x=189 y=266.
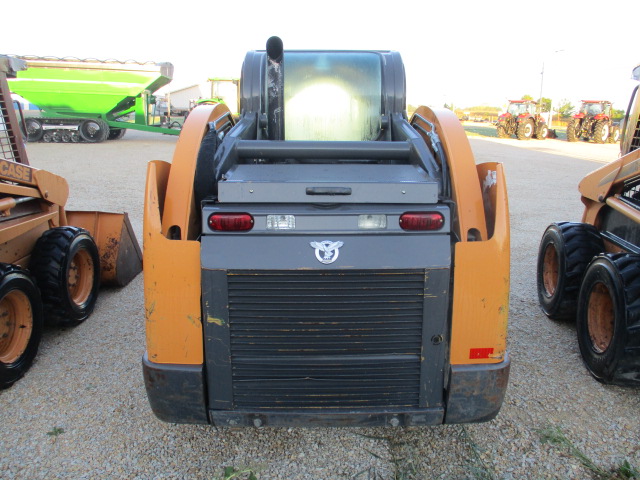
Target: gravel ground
x=82 y=412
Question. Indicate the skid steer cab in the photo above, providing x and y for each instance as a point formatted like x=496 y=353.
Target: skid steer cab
x=52 y=261
x=325 y=261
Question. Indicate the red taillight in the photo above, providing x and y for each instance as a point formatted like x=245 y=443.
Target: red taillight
x=421 y=221
x=231 y=222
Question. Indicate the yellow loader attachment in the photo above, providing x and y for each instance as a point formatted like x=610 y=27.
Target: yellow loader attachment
x=120 y=254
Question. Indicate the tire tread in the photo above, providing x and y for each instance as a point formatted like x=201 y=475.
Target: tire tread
x=46 y=265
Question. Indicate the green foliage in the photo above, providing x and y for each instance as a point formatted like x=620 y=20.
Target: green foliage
x=480 y=469
x=555 y=436
x=626 y=471
x=526 y=97
x=617 y=114
x=56 y=431
x=484 y=109
x=231 y=473
x=401 y=456
x=545 y=104
x=565 y=108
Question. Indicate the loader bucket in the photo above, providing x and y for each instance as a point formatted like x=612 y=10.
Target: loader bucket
x=120 y=254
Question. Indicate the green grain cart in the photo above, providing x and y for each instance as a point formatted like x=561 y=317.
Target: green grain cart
x=92 y=100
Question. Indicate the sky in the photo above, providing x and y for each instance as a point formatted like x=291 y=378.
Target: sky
x=463 y=53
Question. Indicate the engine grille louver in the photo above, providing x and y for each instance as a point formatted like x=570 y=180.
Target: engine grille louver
x=635 y=141
x=326 y=338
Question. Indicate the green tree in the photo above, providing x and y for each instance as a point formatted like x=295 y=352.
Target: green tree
x=545 y=104
x=617 y=114
x=526 y=97
x=565 y=108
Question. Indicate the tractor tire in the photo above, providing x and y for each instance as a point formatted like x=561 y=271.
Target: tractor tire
x=601 y=132
x=614 y=137
x=116 y=133
x=66 y=266
x=542 y=132
x=608 y=321
x=34 y=132
x=93 y=130
x=502 y=131
x=564 y=254
x=573 y=128
x=525 y=130
x=21 y=326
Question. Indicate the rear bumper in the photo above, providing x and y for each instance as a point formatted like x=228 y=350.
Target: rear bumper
x=476 y=392
x=176 y=392
x=177 y=395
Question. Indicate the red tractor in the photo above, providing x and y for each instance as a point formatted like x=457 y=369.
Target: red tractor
x=523 y=120
x=593 y=122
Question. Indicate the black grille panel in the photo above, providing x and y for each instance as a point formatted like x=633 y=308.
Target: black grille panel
x=326 y=338
x=631 y=192
x=635 y=140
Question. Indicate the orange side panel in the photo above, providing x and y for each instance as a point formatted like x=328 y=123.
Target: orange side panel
x=19 y=226
x=462 y=169
x=172 y=283
x=50 y=186
x=17 y=249
x=180 y=212
x=53 y=188
x=604 y=181
x=481 y=281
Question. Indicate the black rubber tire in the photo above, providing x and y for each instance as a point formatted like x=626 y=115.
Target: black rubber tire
x=17 y=290
x=59 y=253
x=564 y=254
x=525 y=130
x=93 y=130
x=34 y=128
x=116 y=133
x=542 y=131
x=601 y=132
x=572 y=130
x=204 y=181
x=502 y=131
x=614 y=137
x=608 y=321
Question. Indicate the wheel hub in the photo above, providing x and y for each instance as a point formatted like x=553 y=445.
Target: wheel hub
x=80 y=277
x=550 y=270
x=16 y=324
x=600 y=318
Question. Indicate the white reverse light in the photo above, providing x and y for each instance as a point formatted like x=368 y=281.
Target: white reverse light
x=372 y=222
x=281 y=222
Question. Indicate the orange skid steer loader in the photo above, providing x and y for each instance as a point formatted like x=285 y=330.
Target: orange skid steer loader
x=52 y=261
x=325 y=260
x=589 y=271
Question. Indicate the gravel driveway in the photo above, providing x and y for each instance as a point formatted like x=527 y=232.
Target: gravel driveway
x=82 y=411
